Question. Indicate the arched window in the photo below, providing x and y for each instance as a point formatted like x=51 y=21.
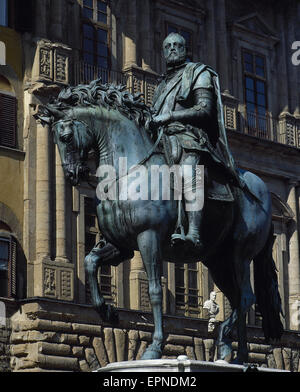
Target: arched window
x=8 y=114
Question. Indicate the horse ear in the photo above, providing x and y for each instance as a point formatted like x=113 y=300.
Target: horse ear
x=57 y=114
x=41 y=113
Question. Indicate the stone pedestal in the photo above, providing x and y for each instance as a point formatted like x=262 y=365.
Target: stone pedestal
x=181 y=364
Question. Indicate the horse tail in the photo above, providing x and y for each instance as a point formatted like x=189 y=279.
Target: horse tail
x=266 y=290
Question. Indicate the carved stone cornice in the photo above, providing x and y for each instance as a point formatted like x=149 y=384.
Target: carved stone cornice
x=255 y=25
x=44 y=89
x=51 y=64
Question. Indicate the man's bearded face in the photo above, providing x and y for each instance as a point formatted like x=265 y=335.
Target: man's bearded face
x=174 y=49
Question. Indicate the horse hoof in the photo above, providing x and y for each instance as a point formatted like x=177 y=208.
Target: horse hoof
x=239 y=360
x=193 y=242
x=152 y=353
x=177 y=239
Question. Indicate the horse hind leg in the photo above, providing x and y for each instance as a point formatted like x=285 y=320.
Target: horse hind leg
x=107 y=255
x=247 y=299
x=149 y=246
x=222 y=270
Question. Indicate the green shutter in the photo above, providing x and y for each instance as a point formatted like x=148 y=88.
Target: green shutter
x=8 y=116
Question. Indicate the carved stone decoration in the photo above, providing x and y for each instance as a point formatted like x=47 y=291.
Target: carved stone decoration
x=230 y=105
x=61 y=67
x=49 y=282
x=141 y=81
x=51 y=63
x=287 y=129
x=150 y=86
x=145 y=301
x=66 y=284
x=45 y=63
x=298 y=131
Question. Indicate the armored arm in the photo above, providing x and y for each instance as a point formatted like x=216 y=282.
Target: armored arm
x=202 y=104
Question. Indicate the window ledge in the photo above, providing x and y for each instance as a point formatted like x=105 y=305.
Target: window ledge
x=13 y=151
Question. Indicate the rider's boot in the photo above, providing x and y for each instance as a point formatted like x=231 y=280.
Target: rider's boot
x=193 y=236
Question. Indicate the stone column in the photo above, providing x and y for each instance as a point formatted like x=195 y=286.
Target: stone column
x=130 y=36
x=138 y=279
x=41 y=18
x=43 y=218
x=145 y=35
x=282 y=67
x=211 y=34
x=43 y=214
x=223 y=58
x=57 y=7
x=291 y=11
x=61 y=232
x=294 y=267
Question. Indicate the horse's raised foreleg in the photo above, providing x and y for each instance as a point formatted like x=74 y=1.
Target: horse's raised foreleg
x=149 y=247
x=108 y=255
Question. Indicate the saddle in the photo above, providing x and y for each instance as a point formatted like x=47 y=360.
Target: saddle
x=216 y=182
x=217 y=187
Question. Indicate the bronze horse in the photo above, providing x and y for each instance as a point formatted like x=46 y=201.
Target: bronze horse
x=113 y=122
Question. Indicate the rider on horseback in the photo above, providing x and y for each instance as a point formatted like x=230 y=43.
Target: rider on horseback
x=187 y=104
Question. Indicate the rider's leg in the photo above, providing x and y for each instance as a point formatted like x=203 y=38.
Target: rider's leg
x=193 y=199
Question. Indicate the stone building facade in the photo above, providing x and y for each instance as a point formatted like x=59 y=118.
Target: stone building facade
x=47 y=227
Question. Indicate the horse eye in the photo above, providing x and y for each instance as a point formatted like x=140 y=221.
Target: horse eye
x=66 y=137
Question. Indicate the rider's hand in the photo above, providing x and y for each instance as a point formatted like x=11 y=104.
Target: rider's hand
x=158 y=121
x=161 y=119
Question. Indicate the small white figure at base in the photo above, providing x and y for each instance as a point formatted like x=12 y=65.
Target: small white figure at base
x=213 y=309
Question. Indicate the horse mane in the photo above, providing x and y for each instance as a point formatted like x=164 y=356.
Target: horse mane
x=107 y=95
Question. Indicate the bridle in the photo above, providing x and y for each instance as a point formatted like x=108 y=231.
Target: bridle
x=132 y=169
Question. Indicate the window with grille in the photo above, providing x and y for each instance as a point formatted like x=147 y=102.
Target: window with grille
x=8 y=267
x=95 y=39
x=8 y=119
x=187 y=298
x=255 y=90
x=187 y=35
x=92 y=237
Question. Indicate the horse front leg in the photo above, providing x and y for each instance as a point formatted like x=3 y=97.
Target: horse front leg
x=149 y=247
x=108 y=255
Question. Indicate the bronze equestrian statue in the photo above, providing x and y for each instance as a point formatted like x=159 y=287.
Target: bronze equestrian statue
x=187 y=104
x=237 y=207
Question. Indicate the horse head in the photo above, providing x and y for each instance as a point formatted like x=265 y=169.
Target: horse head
x=74 y=139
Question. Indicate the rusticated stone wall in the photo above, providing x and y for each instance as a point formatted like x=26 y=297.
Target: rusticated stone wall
x=7 y=309
x=4 y=349
x=49 y=335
